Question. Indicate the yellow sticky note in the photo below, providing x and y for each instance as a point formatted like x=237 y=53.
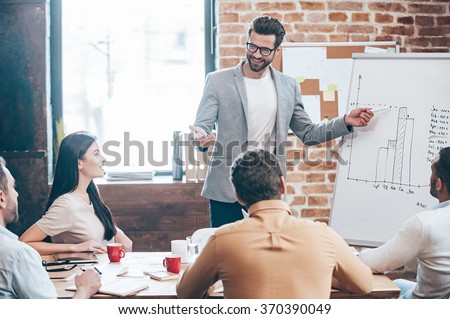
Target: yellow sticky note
x=300 y=79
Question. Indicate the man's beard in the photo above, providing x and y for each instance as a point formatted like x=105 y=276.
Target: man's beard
x=13 y=214
x=257 y=68
x=433 y=190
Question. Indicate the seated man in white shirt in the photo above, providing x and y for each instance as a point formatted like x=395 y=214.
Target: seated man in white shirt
x=21 y=273
x=424 y=237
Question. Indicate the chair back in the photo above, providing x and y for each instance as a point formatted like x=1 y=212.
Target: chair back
x=202 y=235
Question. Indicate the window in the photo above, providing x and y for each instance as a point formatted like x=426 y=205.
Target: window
x=132 y=74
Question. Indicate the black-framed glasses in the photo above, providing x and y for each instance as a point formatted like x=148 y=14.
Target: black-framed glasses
x=264 y=51
x=63 y=268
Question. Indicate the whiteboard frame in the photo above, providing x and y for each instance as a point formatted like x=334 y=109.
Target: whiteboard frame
x=345 y=44
x=378 y=56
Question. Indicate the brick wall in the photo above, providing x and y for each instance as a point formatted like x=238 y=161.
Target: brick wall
x=418 y=26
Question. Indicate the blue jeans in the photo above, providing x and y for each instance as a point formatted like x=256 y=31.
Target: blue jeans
x=223 y=213
x=406 y=287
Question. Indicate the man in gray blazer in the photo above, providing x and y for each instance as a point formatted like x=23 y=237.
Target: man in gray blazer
x=253 y=106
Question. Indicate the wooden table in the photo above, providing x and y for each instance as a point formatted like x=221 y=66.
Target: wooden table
x=137 y=262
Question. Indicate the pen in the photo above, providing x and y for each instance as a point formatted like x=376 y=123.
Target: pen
x=99 y=272
x=380 y=109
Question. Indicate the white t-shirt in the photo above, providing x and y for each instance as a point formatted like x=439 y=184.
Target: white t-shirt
x=70 y=220
x=262 y=111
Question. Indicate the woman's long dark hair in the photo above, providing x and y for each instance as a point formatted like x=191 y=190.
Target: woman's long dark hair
x=73 y=147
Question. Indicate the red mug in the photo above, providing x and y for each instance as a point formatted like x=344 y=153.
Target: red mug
x=172 y=263
x=115 y=252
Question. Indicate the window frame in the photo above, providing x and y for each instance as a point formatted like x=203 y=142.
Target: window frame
x=56 y=79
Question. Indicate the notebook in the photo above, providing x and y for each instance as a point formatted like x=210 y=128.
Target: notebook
x=84 y=257
x=118 y=287
x=161 y=275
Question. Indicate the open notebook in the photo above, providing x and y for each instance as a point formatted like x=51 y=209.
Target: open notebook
x=118 y=287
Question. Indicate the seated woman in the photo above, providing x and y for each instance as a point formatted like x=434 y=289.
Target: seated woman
x=76 y=217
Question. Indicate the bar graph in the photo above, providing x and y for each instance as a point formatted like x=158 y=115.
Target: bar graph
x=393 y=160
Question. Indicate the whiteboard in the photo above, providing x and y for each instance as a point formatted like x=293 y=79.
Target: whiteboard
x=384 y=169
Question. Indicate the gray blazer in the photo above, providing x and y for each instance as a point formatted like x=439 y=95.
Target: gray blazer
x=224 y=107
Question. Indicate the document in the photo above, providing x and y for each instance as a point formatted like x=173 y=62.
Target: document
x=118 y=287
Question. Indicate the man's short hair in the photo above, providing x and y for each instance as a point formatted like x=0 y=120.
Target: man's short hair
x=3 y=179
x=442 y=167
x=256 y=176
x=267 y=26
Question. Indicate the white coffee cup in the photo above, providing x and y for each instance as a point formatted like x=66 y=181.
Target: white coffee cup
x=180 y=247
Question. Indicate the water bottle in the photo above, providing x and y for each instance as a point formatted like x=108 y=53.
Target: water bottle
x=177 y=158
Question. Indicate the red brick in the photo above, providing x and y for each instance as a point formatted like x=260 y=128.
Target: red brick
x=424 y=50
x=290 y=189
x=383 y=38
x=305 y=5
x=232 y=28
x=298 y=200
x=247 y=17
x=332 y=177
x=432 y=31
x=386 y=7
x=436 y=50
x=228 y=17
x=230 y=39
x=289 y=143
x=318 y=189
x=312 y=153
x=405 y=20
x=400 y=30
x=318 y=201
x=278 y=6
x=293 y=17
x=326 y=28
x=318 y=165
x=316 y=17
x=315 y=178
x=311 y=37
x=359 y=38
x=440 y=42
x=337 y=16
x=231 y=51
x=360 y=17
x=424 y=21
x=294 y=154
x=419 y=41
x=356 y=29
x=296 y=37
x=315 y=212
x=443 y=20
x=384 y=18
x=338 y=37
x=345 y=6
x=296 y=177
x=234 y=6
x=427 y=8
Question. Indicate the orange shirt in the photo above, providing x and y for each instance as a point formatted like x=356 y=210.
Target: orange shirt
x=271 y=255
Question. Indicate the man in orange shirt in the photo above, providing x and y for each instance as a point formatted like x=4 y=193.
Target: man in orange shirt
x=272 y=254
